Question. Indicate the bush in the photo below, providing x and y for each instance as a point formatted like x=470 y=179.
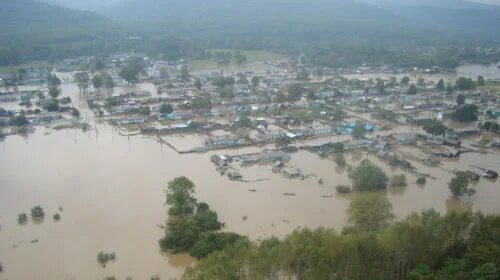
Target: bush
x=22 y=219
x=37 y=212
x=104 y=258
x=212 y=241
x=398 y=181
x=340 y=160
x=421 y=180
x=56 y=217
x=343 y=189
x=368 y=177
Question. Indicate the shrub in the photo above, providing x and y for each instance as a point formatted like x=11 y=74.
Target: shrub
x=22 y=219
x=37 y=212
x=56 y=217
x=368 y=177
x=421 y=180
x=343 y=189
x=398 y=181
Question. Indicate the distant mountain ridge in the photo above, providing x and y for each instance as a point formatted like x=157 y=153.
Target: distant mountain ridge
x=25 y=15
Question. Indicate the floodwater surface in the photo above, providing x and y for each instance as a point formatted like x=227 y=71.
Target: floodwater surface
x=110 y=190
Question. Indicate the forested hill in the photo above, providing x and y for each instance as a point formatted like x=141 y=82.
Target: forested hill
x=448 y=15
x=25 y=15
x=300 y=20
x=32 y=30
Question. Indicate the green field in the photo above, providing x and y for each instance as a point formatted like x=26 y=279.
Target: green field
x=252 y=56
x=492 y=86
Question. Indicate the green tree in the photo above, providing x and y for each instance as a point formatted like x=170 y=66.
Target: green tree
x=82 y=79
x=283 y=142
x=165 y=108
x=37 y=212
x=440 y=85
x=180 y=197
x=368 y=177
x=370 y=212
x=435 y=127
x=459 y=185
x=359 y=129
x=185 y=74
x=280 y=97
x=97 y=81
x=466 y=113
x=131 y=71
x=255 y=81
x=54 y=92
x=480 y=81
x=405 y=80
x=294 y=91
x=22 y=219
x=460 y=99
x=19 y=120
x=197 y=84
x=412 y=90
x=380 y=86
x=463 y=83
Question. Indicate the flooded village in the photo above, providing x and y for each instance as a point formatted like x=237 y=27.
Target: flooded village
x=269 y=144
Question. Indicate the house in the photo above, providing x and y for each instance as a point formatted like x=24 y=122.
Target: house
x=46 y=117
x=222 y=141
x=219 y=161
x=464 y=132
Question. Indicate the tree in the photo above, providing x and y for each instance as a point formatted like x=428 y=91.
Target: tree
x=82 y=79
x=108 y=80
x=280 y=97
x=449 y=88
x=283 y=142
x=463 y=83
x=380 y=86
x=201 y=104
x=54 y=92
x=359 y=129
x=412 y=90
x=185 y=73
x=75 y=113
x=460 y=99
x=197 y=84
x=37 y=212
x=294 y=92
x=97 y=81
x=440 y=85
x=255 y=81
x=405 y=80
x=212 y=241
x=459 y=185
x=19 y=120
x=370 y=212
x=53 y=80
x=368 y=177
x=480 y=81
x=52 y=106
x=435 y=127
x=398 y=181
x=466 y=113
x=180 y=197
x=243 y=122
x=166 y=109
x=131 y=71
x=22 y=219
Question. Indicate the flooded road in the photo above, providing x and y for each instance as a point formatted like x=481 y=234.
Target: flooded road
x=111 y=191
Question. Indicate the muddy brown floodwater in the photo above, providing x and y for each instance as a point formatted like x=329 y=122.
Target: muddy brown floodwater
x=111 y=190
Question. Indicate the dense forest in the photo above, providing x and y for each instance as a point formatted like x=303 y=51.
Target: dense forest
x=460 y=245
x=334 y=33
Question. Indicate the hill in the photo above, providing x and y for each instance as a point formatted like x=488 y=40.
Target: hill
x=33 y=30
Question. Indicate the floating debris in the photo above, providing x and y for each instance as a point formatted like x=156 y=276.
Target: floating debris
x=289 y=194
